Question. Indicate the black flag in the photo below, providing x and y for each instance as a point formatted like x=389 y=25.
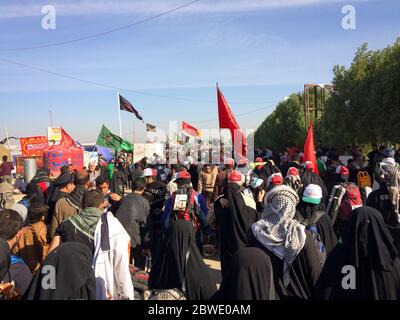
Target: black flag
x=125 y=105
x=150 y=128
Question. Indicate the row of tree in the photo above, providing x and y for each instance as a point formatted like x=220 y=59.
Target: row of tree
x=363 y=108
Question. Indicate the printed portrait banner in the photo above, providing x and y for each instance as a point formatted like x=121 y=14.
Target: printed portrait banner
x=54 y=134
x=33 y=146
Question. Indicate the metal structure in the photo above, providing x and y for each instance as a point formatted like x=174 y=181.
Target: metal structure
x=315 y=101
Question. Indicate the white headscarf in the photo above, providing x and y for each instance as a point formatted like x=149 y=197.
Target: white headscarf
x=278 y=231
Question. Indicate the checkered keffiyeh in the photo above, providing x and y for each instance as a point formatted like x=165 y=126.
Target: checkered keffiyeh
x=278 y=231
x=391 y=173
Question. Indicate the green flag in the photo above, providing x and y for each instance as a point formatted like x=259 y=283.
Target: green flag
x=109 y=140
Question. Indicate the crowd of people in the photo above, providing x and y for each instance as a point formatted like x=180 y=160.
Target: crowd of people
x=283 y=229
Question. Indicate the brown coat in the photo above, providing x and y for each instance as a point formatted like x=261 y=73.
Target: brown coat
x=62 y=212
x=221 y=183
x=33 y=245
x=207 y=180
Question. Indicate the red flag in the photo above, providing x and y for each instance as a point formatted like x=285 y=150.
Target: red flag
x=227 y=121
x=309 y=149
x=189 y=129
x=66 y=141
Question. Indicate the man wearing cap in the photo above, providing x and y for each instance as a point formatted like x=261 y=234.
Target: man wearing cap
x=155 y=193
x=222 y=178
x=63 y=186
x=71 y=203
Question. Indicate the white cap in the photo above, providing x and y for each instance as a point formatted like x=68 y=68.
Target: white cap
x=149 y=172
x=312 y=194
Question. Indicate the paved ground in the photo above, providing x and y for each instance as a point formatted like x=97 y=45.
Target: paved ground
x=215 y=267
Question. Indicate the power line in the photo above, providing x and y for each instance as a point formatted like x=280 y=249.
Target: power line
x=108 y=86
x=100 y=34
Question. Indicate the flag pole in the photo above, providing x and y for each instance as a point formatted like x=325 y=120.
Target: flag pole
x=119 y=113
x=8 y=139
x=51 y=118
x=134 y=130
x=221 y=145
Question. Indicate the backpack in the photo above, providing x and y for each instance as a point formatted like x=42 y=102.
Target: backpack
x=311 y=225
x=184 y=206
x=363 y=177
x=351 y=200
x=335 y=201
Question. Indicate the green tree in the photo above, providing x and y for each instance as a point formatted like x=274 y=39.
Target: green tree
x=285 y=127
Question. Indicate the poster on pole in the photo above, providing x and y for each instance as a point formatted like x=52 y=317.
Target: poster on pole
x=54 y=134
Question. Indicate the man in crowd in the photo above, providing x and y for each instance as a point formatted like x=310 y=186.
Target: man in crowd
x=81 y=226
x=72 y=203
x=112 y=200
x=6 y=169
x=222 y=179
x=63 y=186
x=155 y=193
x=207 y=180
x=133 y=214
x=14 y=269
x=93 y=174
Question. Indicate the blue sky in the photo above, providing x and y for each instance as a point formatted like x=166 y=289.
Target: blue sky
x=258 y=50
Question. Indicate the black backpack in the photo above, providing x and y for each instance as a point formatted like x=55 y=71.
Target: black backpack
x=184 y=206
x=311 y=225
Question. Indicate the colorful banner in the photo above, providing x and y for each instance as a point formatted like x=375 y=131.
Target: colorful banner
x=33 y=146
x=57 y=157
x=54 y=134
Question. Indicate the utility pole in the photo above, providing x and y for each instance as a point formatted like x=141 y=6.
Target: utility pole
x=51 y=119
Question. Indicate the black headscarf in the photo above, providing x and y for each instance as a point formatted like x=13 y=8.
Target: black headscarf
x=5 y=258
x=234 y=223
x=75 y=279
x=250 y=277
x=324 y=224
x=172 y=269
x=368 y=246
x=367 y=240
